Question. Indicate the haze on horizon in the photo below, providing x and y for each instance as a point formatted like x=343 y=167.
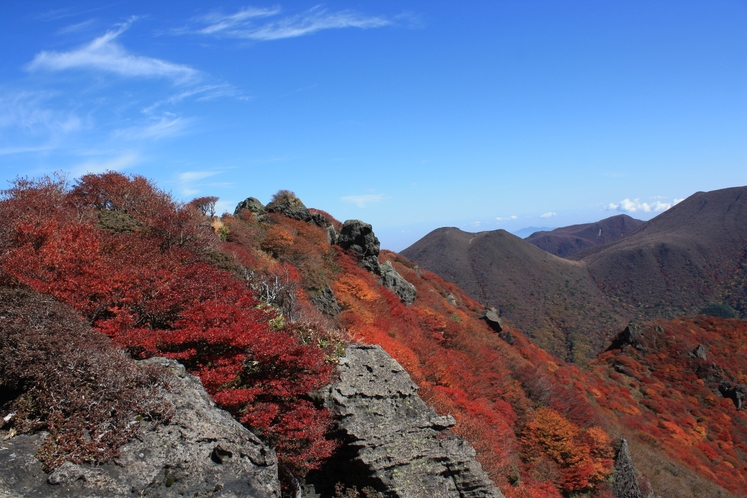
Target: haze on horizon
x=409 y=116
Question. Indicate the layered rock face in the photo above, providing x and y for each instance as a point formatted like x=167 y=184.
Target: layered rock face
x=202 y=452
x=394 y=442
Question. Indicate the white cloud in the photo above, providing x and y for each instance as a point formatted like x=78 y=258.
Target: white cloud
x=243 y=24
x=189 y=176
x=498 y=218
x=636 y=206
x=205 y=92
x=166 y=126
x=104 y=54
x=549 y=214
x=115 y=164
x=363 y=200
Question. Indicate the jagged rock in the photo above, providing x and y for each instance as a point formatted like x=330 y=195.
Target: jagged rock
x=359 y=237
x=289 y=205
x=490 y=315
x=700 y=352
x=632 y=334
x=394 y=442
x=331 y=235
x=735 y=393
x=165 y=460
x=625 y=483
x=326 y=301
x=250 y=204
x=318 y=219
x=396 y=283
x=452 y=299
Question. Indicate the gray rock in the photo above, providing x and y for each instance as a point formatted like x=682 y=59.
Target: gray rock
x=700 y=352
x=359 y=238
x=632 y=335
x=625 y=483
x=452 y=299
x=250 y=204
x=331 y=235
x=736 y=393
x=291 y=206
x=396 y=283
x=318 y=219
x=201 y=452
x=325 y=301
x=490 y=315
x=395 y=443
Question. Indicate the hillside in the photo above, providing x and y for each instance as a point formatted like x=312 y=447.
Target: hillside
x=551 y=299
x=692 y=255
x=687 y=257
x=262 y=304
x=567 y=241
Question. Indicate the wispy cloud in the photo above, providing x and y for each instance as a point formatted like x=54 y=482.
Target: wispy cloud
x=636 y=206
x=363 y=200
x=104 y=54
x=204 y=92
x=113 y=164
x=252 y=24
x=166 y=126
x=187 y=181
x=190 y=176
x=75 y=27
x=514 y=217
x=549 y=214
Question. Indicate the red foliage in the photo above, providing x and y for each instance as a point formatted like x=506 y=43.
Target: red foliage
x=146 y=288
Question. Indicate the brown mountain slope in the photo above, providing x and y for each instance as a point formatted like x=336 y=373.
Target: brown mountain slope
x=551 y=299
x=567 y=241
x=689 y=256
x=692 y=254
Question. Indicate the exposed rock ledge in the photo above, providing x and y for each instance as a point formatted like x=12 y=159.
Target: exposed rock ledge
x=394 y=442
x=202 y=452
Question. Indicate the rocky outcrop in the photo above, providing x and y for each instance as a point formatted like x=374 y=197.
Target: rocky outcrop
x=736 y=393
x=625 y=483
x=359 y=237
x=394 y=443
x=250 y=204
x=287 y=204
x=396 y=283
x=325 y=301
x=201 y=452
x=490 y=315
x=700 y=353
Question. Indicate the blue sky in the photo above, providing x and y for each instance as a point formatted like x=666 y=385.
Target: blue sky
x=409 y=115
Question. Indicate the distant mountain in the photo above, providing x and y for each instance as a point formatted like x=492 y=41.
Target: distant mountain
x=526 y=232
x=567 y=241
x=553 y=300
x=691 y=255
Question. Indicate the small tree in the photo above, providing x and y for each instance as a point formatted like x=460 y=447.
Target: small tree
x=205 y=205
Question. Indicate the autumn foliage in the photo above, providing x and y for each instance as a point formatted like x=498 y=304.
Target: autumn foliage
x=133 y=262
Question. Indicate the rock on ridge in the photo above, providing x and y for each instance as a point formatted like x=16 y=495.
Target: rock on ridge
x=202 y=451
x=359 y=237
x=250 y=204
x=395 y=443
x=396 y=283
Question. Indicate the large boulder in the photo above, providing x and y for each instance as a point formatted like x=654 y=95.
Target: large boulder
x=394 y=443
x=491 y=317
x=396 y=283
x=202 y=451
x=359 y=238
x=325 y=301
x=736 y=393
x=250 y=204
x=287 y=204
